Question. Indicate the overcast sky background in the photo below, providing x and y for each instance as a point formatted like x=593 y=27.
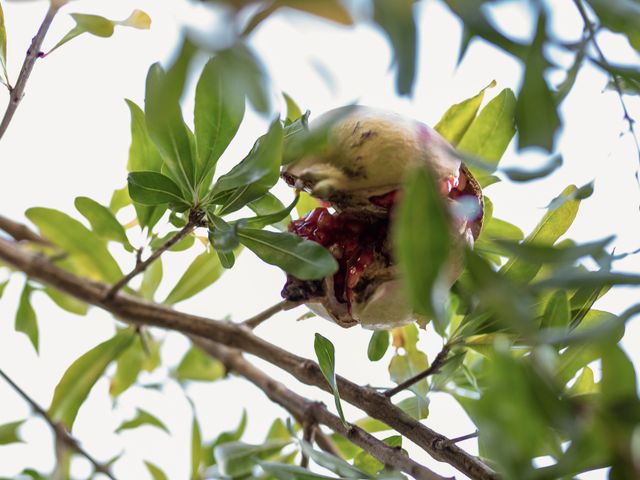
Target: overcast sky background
x=70 y=137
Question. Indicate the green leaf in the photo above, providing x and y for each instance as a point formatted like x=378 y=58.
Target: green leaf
x=135 y=358
x=182 y=245
x=557 y=312
x=82 y=375
x=574 y=194
x=368 y=463
x=151 y=279
x=66 y=302
x=268 y=205
x=102 y=221
x=378 y=345
x=3 y=47
x=457 y=119
x=119 y=199
x=196 y=449
x=522 y=175
x=622 y=16
x=326 y=355
x=414 y=406
x=3 y=285
x=422 y=244
x=260 y=165
x=9 y=431
x=293 y=110
x=151 y=188
x=226 y=437
x=618 y=382
x=584 y=384
x=203 y=271
x=306 y=203
x=223 y=236
x=536 y=111
x=282 y=471
x=197 y=365
x=490 y=133
x=155 y=472
x=403 y=367
x=262 y=221
x=397 y=20
x=554 y=254
x=236 y=459
x=332 y=463
x=167 y=128
x=141 y=418
x=87 y=249
x=301 y=258
x=219 y=109
x=26 y=321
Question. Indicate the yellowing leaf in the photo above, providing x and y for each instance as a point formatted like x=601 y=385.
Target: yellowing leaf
x=3 y=46
x=137 y=19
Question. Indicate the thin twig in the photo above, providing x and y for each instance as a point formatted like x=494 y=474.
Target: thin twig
x=17 y=92
x=21 y=232
x=434 y=368
x=302 y=408
x=61 y=433
x=141 y=266
x=256 y=320
x=137 y=311
x=616 y=79
x=309 y=427
x=462 y=438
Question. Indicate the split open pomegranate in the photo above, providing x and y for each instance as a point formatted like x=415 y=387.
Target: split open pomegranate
x=357 y=172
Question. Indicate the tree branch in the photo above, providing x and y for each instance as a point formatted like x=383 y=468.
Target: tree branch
x=62 y=434
x=437 y=364
x=141 y=266
x=303 y=410
x=33 y=54
x=21 y=232
x=138 y=311
x=256 y=320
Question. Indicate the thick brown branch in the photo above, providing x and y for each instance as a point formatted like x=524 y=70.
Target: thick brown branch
x=141 y=266
x=142 y=312
x=256 y=320
x=61 y=433
x=20 y=231
x=435 y=367
x=17 y=92
x=314 y=412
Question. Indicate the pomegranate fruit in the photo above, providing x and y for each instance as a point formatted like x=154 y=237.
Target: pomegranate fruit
x=357 y=170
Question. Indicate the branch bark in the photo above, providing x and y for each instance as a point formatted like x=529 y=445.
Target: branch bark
x=257 y=320
x=302 y=408
x=62 y=434
x=142 y=312
x=435 y=367
x=17 y=92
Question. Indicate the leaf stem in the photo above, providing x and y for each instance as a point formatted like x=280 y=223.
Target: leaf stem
x=62 y=434
x=434 y=368
x=34 y=52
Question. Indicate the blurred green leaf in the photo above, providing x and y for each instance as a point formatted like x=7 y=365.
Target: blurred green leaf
x=102 y=221
x=490 y=133
x=618 y=382
x=521 y=175
x=197 y=365
x=577 y=278
x=368 y=463
x=85 y=247
x=557 y=312
x=584 y=384
x=3 y=285
x=219 y=109
x=536 y=111
x=9 y=431
x=457 y=119
x=415 y=407
x=236 y=459
x=151 y=279
x=306 y=203
x=378 y=345
x=571 y=194
x=155 y=472
x=326 y=355
x=151 y=188
x=332 y=463
x=82 y=375
x=622 y=16
x=26 y=321
x=66 y=302
x=268 y=204
x=278 y=431
x=397 y=20
x=135 y=358
x=301 y=258
x=196 y=448
x=208 y=450
x=3 y=47
x=282 y=471
x=422 y=245
x=293 y=110
x=554 y=254
x=141 y=418
x=182 y=245
x=404 y=366
x=119 y=199
x=203 y=271
x=167 y=128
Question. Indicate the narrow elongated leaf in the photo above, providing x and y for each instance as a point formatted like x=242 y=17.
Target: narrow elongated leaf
x=198 y=366
x=85 y=247
x=304 y=259
x=167 y=128
x=490 y=133
x=378 y=345
x=202 y=272
x=9 y=431
x=151 y=279
x=141 y=418
x=293 y=110
x=26 y=321
x=236 y=459
x=66 y=302
x=82 y=375
x=536 y=111
x=422 y=244
x=3 y=285
x=332 y=463
x=132 y=361
x=262 y=221
x=102 y=221
x=155 y=472
x=262 y=163
x=557 y=313
x=143 y=154
x=457 y=119
x=554 y=254
x=151 y=188
x=397 y=20
x=326 y=355
x=283 y=471
x=219 y=109
x=137 y=19
x=3 y=47
x=209 y=457
x=196 y=448
x=269 y=204
x=521 y=175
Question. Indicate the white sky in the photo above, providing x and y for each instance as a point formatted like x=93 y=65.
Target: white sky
x=70 y=137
